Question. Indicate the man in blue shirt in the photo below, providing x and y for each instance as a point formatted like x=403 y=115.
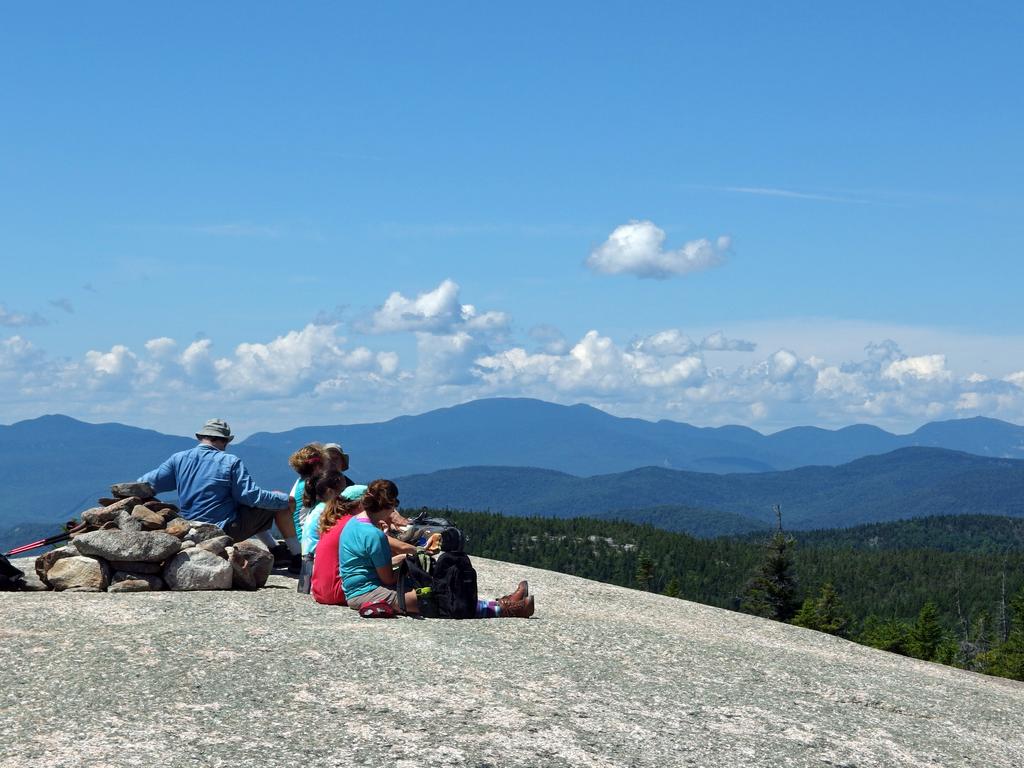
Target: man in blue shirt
x=215 y=487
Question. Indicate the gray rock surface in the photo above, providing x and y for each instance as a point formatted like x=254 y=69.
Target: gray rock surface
x=71 y=573
x=601 y=676
x=127 y=522
x=197 y=569
x=144 y=546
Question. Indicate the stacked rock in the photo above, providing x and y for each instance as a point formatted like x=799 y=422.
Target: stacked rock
x=134 y=542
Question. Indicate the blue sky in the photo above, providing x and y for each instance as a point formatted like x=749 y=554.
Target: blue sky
x=714 y=213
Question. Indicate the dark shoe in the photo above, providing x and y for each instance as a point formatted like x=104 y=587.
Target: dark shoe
x=522 y=592
x=295 y=564
x=518 y=609
x=282 y=556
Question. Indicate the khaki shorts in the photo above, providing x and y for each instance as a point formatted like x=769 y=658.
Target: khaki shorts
x=374 y=595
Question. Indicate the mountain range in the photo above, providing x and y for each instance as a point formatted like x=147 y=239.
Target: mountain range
x=909 y=482
x=54 y=466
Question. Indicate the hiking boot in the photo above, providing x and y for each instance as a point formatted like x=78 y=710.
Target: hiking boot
x=282 y=556
x=515 y=609
x=521 y=593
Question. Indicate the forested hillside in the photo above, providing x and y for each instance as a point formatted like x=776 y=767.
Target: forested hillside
x=963 y=600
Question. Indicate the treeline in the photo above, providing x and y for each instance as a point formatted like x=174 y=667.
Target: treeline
x=961 y=608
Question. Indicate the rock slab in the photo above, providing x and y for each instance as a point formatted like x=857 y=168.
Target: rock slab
x=197 y=569
x=251 y=563
x=79 y=573
x=142 y=546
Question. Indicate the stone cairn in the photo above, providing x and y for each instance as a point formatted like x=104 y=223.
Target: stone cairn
x=136 y=543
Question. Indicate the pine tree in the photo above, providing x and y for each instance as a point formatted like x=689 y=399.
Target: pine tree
x=672 y=589
x=644 y=571
x=926 y=633
x=1007 y=659
x=772 y=592
x=888 y=635
x=825 y=613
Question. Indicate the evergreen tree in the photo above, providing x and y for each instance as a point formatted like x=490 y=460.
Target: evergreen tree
x=644 y=571
x=771 y=594
x=1007 y=659
x=672 y=588
x=887 y=635
x=825 y=614
x=926 y=633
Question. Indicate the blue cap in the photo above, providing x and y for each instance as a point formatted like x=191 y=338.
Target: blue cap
x=353 y=493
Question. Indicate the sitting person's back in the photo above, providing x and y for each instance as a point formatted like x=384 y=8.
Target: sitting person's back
x=326 y=586
x=214 y=486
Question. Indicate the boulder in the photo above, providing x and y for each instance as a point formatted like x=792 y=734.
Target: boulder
x=179 y=527
x=203 y=531
x=126 y=490
x=46 y=560
x=187 y=545
x=135 y=567
x=217 y=545
x=82 y=574
x=151 y=521
x=161 y=506
x=125 y=521
x=129 y=503
x=251 y=564
x=99 y=515
x=129 y=585
x=198 y=569
x=143 y=546
x=125 y=581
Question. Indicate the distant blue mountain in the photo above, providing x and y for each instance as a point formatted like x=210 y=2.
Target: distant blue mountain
x=581 y=440
x=55 y=466
x=909 y=482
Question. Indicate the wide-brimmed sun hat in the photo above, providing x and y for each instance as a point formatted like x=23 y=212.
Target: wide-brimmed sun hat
x=216 y=428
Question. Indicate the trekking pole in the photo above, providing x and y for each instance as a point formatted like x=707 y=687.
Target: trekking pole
x=62 y=536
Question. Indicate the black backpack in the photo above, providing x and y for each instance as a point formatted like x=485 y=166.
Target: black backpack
x=11 y=579
x=445 y=588
x=422 y=527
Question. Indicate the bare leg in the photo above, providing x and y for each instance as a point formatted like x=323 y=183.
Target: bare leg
x=411 y=606
x=285 y=523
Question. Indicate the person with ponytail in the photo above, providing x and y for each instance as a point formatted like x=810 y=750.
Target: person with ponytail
x=365 y=561
x=328 y=487
x=307 y=462
x=325 y=583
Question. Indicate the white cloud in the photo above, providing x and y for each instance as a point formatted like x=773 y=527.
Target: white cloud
x=292 y=363
x=636 y=248
x=18 y=319
x=718 y=342
x=595 y=364
x=119 y=361
x=161 y=347
x=925 y=368
x=663 y=343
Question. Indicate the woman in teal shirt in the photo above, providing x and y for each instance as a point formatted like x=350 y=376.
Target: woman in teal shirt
x=365 y=561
